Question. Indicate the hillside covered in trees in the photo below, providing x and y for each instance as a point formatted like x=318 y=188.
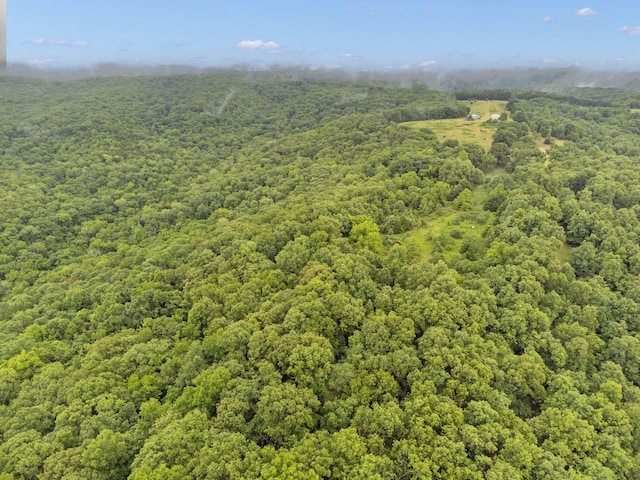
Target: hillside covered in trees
x=241 y=276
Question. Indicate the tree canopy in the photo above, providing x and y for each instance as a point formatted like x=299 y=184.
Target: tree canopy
x=240 y=276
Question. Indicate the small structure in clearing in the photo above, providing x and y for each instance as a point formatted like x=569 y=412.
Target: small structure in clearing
x=474 y=116
x=466 y=129
x=495 y=116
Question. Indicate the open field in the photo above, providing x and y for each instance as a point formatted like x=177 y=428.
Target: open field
x=467 y=131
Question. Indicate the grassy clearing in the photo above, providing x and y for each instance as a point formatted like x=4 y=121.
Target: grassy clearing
x=543 y=146
x=449 y=227
x=496 y=172
x=446 y=233
x=467 y=131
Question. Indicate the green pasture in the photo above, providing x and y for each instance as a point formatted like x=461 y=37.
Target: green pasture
x=465 y=130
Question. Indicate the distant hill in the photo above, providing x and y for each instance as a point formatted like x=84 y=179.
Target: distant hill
x=550 y=79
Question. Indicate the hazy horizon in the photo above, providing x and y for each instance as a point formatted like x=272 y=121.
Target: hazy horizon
x=545 y=78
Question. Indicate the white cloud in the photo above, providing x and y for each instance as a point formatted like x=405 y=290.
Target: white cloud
x=41 y=61
x=351 y=56
x=587 y=11
x=549 y=60
x=176 y=44
x=633 y=31
x=259 y=45
x=547 y=19
x=60 y=42
x=425 y=65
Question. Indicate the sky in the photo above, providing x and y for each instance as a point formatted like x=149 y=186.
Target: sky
x=350 y=34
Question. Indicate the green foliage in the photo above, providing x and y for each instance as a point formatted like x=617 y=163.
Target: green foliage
x=463 y=200
x=247 y=276
x=366 y=234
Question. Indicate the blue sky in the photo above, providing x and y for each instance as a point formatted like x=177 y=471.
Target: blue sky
x=370 y=34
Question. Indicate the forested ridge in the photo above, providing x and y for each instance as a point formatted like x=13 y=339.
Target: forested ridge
x=245 y=276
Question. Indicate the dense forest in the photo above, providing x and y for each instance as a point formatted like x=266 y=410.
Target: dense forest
x=248 y=276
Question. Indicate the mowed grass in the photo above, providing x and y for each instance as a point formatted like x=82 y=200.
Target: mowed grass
x=467 y=131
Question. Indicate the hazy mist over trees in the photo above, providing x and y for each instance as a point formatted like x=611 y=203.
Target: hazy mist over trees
x=552 y=79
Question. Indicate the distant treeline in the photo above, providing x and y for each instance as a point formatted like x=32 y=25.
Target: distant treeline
x=507 y=95
x=493 y=94
x=583 y=102
x=414 y=113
